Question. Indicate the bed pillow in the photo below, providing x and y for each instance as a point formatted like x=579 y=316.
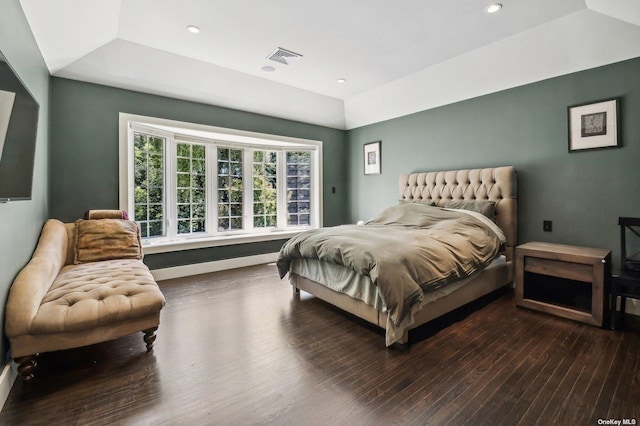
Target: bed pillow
x=425 y=202
x=106 y=239
x=486 y=207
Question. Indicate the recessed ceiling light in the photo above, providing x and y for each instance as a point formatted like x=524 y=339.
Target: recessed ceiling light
x=193 y=29
x=493 y=8
x=268 y=68
x=342 y=80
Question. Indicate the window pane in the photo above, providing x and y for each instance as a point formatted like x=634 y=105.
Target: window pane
x=264 y=186
x=223 y=168
x=184 y=165
x=184 y=195
x=184 y=211
x=271 y=208
x=184 y=150
x=198 y=151
x=183 y=227
x=198 y=180
x=236 y=223
x=230 y=187
x=184 y=180
x=198 y=166
x=191 y=187
x=304 y=157
x=223 y=182
x=156 y=145
x=236 y=209
x=149 y=184
x=198 y=198
x=292 y=157
x=236 y=183
x=235 y=155
x=141 y=212
x=197 y=225
x=155 y=195
x=156 y=161
x=140 y=195
x=198 y=211
x=154 y=177
x=155 y=228
x=298 y=188
x=156 y=212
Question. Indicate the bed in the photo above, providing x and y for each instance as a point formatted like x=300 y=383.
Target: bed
x=435 y=200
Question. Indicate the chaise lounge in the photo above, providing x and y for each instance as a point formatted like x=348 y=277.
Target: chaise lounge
x=86 y=283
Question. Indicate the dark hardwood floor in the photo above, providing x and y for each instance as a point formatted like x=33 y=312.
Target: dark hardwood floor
x=236 y=347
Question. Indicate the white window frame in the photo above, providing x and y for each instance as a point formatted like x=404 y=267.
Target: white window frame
x=214 y=137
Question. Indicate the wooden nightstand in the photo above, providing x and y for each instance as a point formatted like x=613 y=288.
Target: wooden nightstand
x=567 y=281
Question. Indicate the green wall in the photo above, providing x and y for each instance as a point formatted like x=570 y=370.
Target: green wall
x=21 y=221
x=84 y=155
x=583 y=193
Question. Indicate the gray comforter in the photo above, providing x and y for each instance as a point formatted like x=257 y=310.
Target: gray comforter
x=402 y=249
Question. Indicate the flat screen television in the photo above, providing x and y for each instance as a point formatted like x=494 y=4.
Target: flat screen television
x=18 y=129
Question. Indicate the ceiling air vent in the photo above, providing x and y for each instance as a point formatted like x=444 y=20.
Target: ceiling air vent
x=284 y=56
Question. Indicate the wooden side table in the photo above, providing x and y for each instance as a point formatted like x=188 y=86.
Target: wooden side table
x=567 y=281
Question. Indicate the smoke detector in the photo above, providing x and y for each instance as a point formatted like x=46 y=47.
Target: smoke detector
x=284 y=56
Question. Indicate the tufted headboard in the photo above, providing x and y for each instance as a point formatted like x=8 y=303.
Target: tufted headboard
x=497 y=184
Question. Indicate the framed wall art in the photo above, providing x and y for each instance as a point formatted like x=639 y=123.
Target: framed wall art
x=594 y=125
x=372 y=159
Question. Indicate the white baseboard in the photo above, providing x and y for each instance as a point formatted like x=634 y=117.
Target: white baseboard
x=7 y=378
x=214 y=266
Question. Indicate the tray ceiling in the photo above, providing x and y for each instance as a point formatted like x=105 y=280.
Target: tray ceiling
x=379 y=47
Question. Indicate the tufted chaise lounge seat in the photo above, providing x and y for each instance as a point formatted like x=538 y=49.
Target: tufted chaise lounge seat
x=57 y=304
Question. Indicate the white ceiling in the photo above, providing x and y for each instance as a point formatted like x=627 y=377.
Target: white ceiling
x=398 y=57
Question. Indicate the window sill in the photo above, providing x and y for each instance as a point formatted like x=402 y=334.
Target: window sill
x=189 y=243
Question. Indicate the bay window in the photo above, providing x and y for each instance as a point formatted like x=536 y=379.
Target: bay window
x=185 y=182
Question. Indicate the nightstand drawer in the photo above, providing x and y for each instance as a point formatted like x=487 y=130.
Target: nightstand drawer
x=558 y=268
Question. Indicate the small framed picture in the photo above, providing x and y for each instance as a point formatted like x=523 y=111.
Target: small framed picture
x=594 y=125
x=372 y=159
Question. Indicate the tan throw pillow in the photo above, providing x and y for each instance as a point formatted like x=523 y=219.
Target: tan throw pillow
x=106 y=239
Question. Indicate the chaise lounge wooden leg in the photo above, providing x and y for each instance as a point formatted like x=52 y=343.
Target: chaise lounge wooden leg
x=150 y=337
x=26 y=367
